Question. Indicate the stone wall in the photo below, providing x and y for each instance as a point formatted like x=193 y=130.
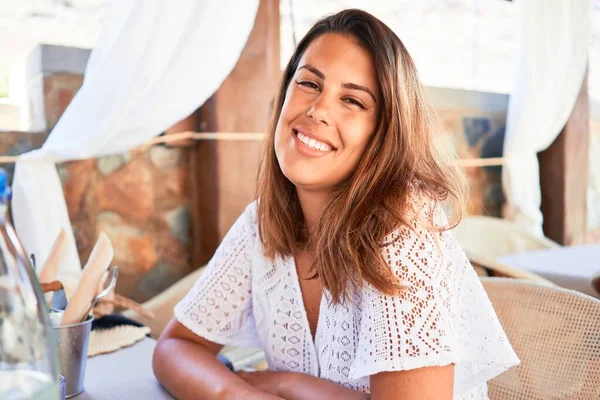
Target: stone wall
x=15 y=143
x=141 y=201
x=59 y=90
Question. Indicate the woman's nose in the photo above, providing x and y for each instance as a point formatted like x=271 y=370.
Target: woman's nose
x=319 y=110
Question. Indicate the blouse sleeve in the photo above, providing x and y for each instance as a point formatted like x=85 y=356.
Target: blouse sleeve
x=442 y=316
x=219 y=305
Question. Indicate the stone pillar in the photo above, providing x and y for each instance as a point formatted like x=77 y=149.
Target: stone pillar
x=45 y=84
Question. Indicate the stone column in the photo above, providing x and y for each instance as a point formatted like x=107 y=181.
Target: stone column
x=46 y=83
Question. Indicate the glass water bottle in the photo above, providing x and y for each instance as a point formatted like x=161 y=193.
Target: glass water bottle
x=28 y=353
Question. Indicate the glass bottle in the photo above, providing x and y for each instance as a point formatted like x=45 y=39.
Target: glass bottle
x=28 y=350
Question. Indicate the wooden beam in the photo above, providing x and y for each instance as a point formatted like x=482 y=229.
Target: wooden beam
x=564 y=176
x=225 y=172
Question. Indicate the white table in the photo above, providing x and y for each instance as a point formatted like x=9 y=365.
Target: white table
x=571 y=267
x=123 y=375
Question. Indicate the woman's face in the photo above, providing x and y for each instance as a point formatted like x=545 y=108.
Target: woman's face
x=329 y=113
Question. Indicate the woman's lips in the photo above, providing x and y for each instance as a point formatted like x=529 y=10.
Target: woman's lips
x=307 y=149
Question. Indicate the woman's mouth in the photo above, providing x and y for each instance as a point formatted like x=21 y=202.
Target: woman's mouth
x=312 y=143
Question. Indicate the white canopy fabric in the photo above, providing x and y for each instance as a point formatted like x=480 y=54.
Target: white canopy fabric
x=551 y=63
x=155 y=63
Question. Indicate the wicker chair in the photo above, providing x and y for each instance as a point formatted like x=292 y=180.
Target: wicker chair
x=496 y=237
x=556 y=333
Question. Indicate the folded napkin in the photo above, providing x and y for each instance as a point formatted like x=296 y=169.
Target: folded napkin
x=113 y=332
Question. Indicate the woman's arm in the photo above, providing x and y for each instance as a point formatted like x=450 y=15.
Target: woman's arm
x=303 y=386
x=187 y=366
x=427 y=383
x=298 y=386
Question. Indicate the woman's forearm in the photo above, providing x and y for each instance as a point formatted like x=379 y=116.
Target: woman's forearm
x=304 y=386
x=189 y=371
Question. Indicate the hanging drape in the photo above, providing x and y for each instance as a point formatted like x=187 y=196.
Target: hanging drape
x=551 y=62
x=155 y=63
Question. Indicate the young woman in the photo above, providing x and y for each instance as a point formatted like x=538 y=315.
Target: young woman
x=343 y=270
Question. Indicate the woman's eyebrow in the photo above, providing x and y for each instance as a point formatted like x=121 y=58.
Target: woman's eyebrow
x=348 y=85
x=354 y=86
x=313 y=70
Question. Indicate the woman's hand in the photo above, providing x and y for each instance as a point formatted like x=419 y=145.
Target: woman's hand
x=272 y=382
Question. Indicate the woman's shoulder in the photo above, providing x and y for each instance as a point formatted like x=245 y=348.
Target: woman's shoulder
x=423 y=245
x=424 y=217
x=245 y=227
x=250 y=218
x=250 y=213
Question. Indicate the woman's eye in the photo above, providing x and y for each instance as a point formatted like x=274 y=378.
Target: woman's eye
x=355 y=102
x=308 y=84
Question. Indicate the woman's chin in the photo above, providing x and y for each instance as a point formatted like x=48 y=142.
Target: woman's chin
x=306 y=180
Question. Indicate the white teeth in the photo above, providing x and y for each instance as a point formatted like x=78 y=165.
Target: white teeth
x=312 y=143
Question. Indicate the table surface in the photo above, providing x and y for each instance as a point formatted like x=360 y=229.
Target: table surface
x=571 y=266
x=123 y=375
x=584 y=259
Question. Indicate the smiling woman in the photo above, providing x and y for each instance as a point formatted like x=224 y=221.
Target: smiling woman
x=344 y=270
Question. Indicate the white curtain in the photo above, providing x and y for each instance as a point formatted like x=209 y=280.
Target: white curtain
x=551 y=62
x=155 y=63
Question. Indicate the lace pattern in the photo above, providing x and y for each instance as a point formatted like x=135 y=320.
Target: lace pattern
x=443 y=316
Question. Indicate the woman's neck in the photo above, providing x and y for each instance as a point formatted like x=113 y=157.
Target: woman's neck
x=312 y=204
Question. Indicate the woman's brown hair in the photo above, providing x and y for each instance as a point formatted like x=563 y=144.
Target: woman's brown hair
x=399 y=162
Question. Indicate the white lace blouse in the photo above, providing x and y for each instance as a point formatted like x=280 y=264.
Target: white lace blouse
x=443 y=316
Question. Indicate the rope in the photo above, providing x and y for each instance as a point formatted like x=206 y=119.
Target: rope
x=249 y=136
